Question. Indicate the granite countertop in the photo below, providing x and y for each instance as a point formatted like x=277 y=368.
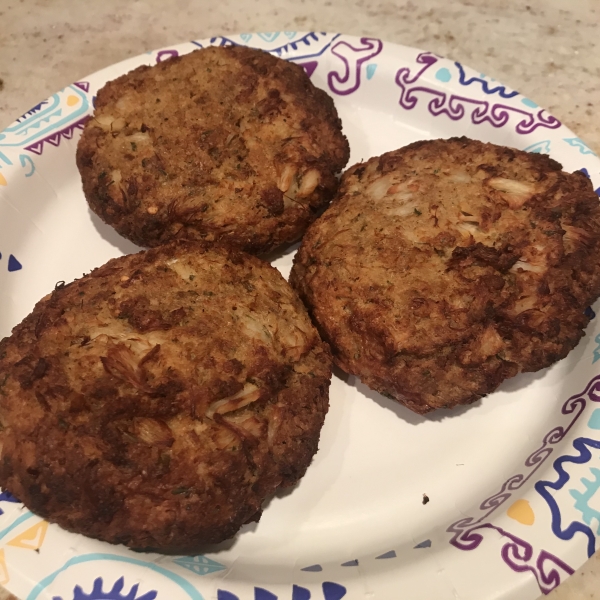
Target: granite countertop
x=549 y=50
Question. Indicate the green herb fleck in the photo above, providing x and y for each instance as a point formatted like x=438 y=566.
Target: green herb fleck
x=418 y=212
x=133 y=146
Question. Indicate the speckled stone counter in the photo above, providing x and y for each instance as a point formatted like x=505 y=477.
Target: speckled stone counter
x=549 y=50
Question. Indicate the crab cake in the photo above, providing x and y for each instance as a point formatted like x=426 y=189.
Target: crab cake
x=157 y=401
x=225 y=143
x=447 y=266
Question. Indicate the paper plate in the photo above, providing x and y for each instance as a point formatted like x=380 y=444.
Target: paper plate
x=512 y=481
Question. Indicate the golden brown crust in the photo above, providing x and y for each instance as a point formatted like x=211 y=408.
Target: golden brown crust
x=447 y=266
x=225 y=143
x=157 y=401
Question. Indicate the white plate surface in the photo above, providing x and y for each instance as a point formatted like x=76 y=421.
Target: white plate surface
x=513 y=481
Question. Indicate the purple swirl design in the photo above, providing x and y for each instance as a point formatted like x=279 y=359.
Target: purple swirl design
x=520 y=556
x=353 y=58
x=575 y=405
x=467 y=532
x=550 y=579
x=403 y=76
x=456 y=107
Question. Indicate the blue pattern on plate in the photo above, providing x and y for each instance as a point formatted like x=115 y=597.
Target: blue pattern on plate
x=333 y=591
x=114 y=593
x=485 y=88
x=546 y=488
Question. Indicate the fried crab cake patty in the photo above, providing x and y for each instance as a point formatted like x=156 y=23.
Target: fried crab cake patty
x=447 y=266
x=227 y=143
x=157 y=401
